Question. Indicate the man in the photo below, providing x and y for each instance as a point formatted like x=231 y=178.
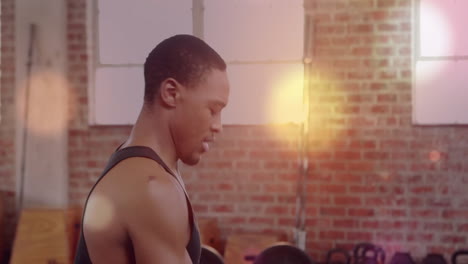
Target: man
x=138 y=211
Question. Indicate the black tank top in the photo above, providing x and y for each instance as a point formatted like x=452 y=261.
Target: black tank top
x=194 y=245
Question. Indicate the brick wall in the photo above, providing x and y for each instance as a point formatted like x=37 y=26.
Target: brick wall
x=377 y=177
x=85 y=159
x=7 y=124
x=374 y=176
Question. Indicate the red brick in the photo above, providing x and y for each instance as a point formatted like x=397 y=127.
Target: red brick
x=200 y=208
x=389 y=237
x=422 y=189
x=262 y=198
x=261 y=155
x=225 y=187
x=361 y=212
x=361 y=51
x=455 y=214
x=234 y=220
x=364 y=144
x=359 y=236
x=332 y=188
x=387 y=3
x=462 y=228
x=345 y=223
x=287 y=222
x=361 y=166
x=320 y=200
x=225 y=208
x=442 y=249
x=247 y=165
x=348 y=200
x=234 y=154
x=376 y=155
x=439 y=226
x=361 y=28
x=334 y=235
x=420 y=237
x=348 y=178
x=426 y=213
x=288 y=177
x=452 y=239
x=347 y=155
x=318 y=223
x=387 y=27
x=261 y=221
x=262 y=177
x=332 y=211
x=332 y=165
x=277 y=165
x=277 y=210
x=276 y=188
x=209 y=197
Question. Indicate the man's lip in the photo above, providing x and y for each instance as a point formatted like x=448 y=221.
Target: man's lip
x=208 y=140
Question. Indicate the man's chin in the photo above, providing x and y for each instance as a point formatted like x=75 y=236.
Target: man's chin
x=192 y=161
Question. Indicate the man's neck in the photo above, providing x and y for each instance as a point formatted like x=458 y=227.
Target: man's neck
x=153 y=133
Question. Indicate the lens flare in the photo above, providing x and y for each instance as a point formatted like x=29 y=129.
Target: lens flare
x=434 y=156
x=48 y=103
x=436 y=31
x=100 y=213
x=286 y=100
x=436 y=38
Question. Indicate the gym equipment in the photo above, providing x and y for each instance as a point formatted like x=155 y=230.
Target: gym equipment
x=434 y=258
x=283 y=254
x=338 y=256
x=402 y=258
x=459 y=253
x=368 y=253
x=209 y=255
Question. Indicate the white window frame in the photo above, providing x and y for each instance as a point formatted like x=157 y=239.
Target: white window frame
x=93 y=54
x=417 y=57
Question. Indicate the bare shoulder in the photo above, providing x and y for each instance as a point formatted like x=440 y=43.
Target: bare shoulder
x=142 y=187
x=154 y=210
x=139 y=200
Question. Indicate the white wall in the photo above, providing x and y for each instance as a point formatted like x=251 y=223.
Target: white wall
x=44 y=152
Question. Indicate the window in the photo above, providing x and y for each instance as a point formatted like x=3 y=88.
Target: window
x=261 y=41
x=440 y=92
x=124 y=32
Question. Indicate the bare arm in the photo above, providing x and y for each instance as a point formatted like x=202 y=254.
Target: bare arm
x=158 y=222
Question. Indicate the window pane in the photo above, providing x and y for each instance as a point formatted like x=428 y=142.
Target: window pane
x=461 y=24
x=437 y=28
x=118 y=95
x=256 y=30
x=264 y=93
x=129 y=30
x=441 y=92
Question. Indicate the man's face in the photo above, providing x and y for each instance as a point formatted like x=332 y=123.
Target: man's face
x=198 y=115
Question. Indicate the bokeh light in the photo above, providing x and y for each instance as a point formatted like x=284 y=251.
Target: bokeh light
x=49 y=105
x=286 y=100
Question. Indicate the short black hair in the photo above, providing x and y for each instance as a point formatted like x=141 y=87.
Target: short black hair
x=185 y=58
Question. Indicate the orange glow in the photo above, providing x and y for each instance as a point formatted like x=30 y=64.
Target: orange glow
x=102 y=212
x=286 y=105
x=434 y=156
x=48 y=104
x=322 y=124
x=384 y=175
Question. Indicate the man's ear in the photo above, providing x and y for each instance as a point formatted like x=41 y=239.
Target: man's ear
x=169 y=92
